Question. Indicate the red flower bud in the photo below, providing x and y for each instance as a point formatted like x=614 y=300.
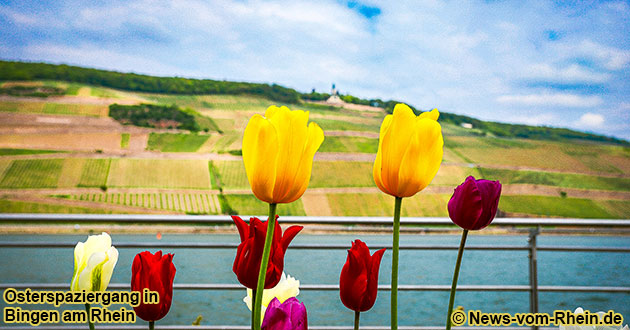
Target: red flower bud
x=474 y=203
x=249 y=252
x=358 y=283
x=156 y=273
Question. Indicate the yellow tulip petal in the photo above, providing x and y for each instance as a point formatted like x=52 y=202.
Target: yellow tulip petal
x=422 y=159
x=433 y=114
x=271 y=111
x=292 y=136
x=378 y=168
x=260 y=154
x=303 y=175
x=394 y=145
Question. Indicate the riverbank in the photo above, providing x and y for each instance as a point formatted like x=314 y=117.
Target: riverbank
x=45 y=229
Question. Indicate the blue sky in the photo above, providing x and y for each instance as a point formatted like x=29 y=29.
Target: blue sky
x=564 y=63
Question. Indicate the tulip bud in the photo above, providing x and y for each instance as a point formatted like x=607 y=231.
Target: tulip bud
x=94 y=263
x=290 y=315
x=278 y=152
x=249 y=252
x=409 y=153
x=156 y=273
x=474 y=203
x=358 y=283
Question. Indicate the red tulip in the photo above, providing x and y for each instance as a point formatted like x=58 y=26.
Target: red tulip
x=474 y=203
x=156 y=273
x=249 y=252
x=358 y=283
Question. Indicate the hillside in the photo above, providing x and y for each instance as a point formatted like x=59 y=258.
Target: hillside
x=24 y=71
x=61 y=151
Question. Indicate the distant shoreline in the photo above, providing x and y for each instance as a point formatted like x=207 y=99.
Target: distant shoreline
x=65 y=229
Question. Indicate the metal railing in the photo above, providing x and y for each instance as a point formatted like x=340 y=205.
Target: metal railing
x=536 y=226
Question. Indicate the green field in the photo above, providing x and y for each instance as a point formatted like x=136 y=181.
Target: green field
x=159 y=173
x=558 y=156
x=9 y=206
x=54 y=108
x=249 y=205
x=167 y=142
x=191 y=203
x=12 y=152
x=566 y=180
x=124 y=140
x=94 y=173
x=32 y=173
x=231 y=174
x=555 y=206
x=380 y=204
x=353 y=144
x=341 y=174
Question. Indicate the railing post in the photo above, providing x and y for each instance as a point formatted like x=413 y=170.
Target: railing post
x=533 y=272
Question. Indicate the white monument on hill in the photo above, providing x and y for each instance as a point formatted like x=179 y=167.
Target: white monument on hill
x=334 y=96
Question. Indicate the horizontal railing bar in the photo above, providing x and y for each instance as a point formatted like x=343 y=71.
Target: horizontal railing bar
x=224 y=219
x=202 y=245
x=243 y=327
x=335 y=287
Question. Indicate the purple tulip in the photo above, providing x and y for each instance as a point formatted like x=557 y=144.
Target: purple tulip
x=290 y=315
x=474 y=203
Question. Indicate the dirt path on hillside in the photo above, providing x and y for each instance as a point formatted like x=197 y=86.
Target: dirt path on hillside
x=316 y=204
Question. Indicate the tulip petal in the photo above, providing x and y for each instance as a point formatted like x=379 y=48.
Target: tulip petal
x=422 y=158
x=394 y=145
x=289 y=235
x=372 y=286
x=292 y=136
x=78 y=265
x=85 y=278
x=108 y=267
x=490 y=191
x=260 y=155
x=378 y=168
x=314 y=140
x=433 y=114
x=465 y=206
x=243 y=228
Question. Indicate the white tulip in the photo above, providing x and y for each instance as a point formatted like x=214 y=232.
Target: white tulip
x=94 y=263
x=288 y=287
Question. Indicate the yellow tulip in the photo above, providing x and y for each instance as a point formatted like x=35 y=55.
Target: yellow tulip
x=278 y=151
x=409 y=151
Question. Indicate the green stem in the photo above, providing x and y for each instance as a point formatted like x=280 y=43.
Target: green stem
x=151 y=325
x=458 y=263
x=253 y=304
x=356 y=320
x=87 y=309
x=262 y=273
x=394 y=304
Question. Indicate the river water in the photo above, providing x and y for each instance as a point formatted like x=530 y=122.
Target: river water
x=55 y=265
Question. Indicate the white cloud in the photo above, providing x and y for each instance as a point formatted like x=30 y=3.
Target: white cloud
x=87 y=54
x=590 y=120
x=551 y=99
x=573 y=73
